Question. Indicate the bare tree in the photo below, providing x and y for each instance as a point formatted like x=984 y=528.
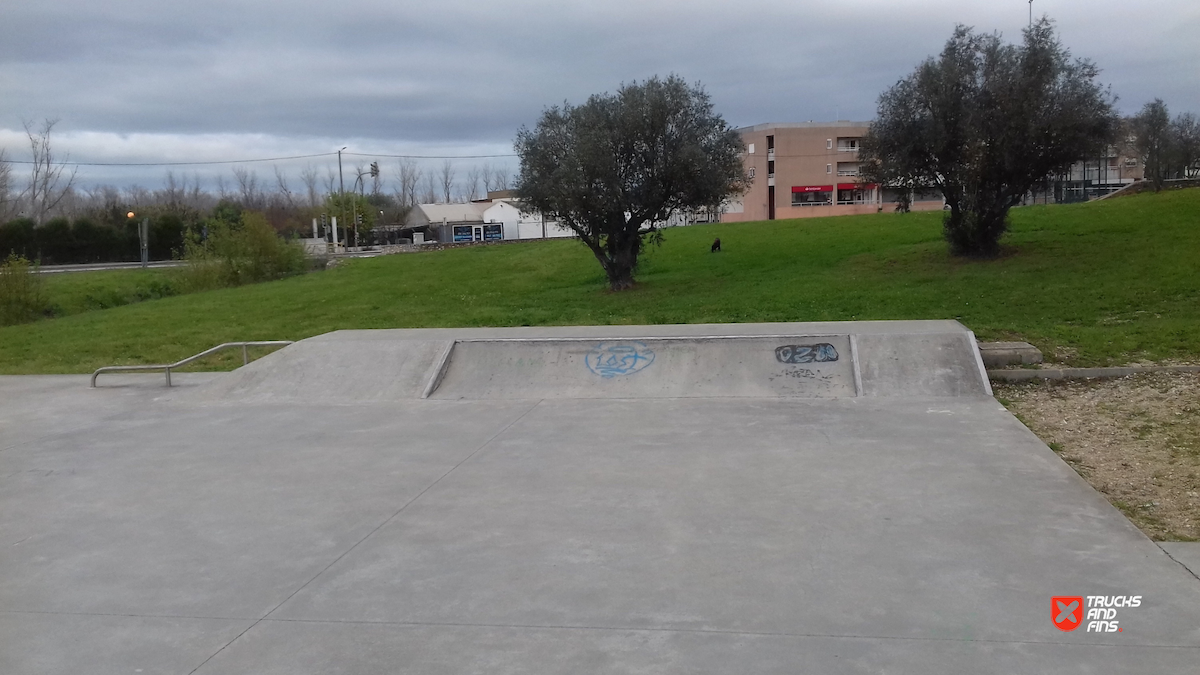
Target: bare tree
x=197 y=198
x=410 y=178
x=430 y=195
x=8 y=200
x=500 y=178
x=173 y=191
x=471 y=188
x=251 y=193
x=331 y=181
x=137 y=197
x=446 y=177
x=309 y=177
x=284 y=191
x=222 y=189
x=486 y=174
x=107 y=197
x=48 y=182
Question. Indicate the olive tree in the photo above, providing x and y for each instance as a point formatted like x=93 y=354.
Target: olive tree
x=1152 y=127
x=616 y=167
x=983 y=123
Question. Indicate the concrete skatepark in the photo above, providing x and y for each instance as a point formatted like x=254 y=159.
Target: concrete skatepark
x=754 y=498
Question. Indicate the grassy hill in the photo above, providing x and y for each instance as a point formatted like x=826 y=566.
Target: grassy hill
x=1099 y=283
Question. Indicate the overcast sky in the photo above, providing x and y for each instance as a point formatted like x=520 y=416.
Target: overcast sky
x=153 y=81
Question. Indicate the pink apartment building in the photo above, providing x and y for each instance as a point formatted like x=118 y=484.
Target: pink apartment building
x=807 y=169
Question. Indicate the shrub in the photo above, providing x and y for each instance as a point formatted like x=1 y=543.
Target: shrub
x=55 y=242
x=22 y=298
x=231 y=255
x=16 y=237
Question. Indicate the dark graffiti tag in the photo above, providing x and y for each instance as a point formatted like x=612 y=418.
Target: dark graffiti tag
x=818 y=353
x=610 y=359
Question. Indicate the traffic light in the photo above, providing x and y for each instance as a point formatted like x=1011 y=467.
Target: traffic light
x=324 y=220
x=358 y=219
x=374 y=169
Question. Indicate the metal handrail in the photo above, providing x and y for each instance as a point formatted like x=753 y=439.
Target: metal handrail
x=168 y=367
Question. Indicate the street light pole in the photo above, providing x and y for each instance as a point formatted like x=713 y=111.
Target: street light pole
x=1031 y=13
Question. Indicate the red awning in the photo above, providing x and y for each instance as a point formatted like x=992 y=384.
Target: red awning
x=856 y=186
x=812 y=188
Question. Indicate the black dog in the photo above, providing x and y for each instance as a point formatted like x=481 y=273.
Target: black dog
x=716 y=247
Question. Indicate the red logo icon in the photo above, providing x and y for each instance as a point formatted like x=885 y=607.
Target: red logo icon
x=1066 y=612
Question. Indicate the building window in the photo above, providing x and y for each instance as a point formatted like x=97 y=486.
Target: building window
x=852 y=196
x=771 y=168
x=462 y=233
x=848 y=144
x=770 y=142
x=750 y=172
x=828 y=143
x=847 y=168
x=828 y=168
x=493 y=232
x=750 y=149
x=812 y=195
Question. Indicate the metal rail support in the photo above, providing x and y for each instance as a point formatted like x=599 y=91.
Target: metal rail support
x=168 y=367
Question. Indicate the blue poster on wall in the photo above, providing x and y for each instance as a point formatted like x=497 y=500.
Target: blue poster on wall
x=462 y=233
x=493 y=232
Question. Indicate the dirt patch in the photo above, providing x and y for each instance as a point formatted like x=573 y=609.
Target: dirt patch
x=1135 y=439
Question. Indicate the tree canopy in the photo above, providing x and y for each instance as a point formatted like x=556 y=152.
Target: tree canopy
x=1168 y=149
x=983 y=123
x=616 y=167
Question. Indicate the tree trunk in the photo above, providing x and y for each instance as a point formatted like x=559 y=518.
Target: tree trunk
x=974 y=230
x=618 y=264
x=619 y=268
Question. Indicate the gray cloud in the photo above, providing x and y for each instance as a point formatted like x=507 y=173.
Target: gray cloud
x=461 y=76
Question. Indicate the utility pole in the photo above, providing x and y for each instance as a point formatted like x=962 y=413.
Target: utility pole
x=341 y=181
x=1031 y=13
x=342 y=190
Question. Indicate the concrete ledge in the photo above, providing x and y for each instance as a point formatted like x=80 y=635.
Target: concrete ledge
x=1000 y=354
x=1082 y=373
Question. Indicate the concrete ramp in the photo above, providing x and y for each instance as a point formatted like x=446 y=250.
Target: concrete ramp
x=794 y=360
x=326 y=369
x=682 y=367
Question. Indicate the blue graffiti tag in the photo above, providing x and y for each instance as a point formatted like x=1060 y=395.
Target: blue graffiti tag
x=610 y=359
x=819 y=353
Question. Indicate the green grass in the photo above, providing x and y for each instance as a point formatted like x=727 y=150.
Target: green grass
x=1090 y=284
x=77 y=292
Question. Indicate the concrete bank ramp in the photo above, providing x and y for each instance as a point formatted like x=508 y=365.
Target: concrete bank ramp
x=782 y=360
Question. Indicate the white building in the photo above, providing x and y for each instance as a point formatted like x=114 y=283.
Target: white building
x=502 y=218
x=489 y=220
x=518 y=223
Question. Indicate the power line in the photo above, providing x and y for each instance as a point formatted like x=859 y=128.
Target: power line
x=264 y=159
x=217 y=161
x=367 y=154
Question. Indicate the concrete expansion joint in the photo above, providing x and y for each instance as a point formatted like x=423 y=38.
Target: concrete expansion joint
x=380 y=526
x=717 y=631
x=1190 y=566
x=128 y=615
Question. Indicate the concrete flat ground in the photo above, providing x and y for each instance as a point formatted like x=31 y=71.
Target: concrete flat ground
x=171 y=531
